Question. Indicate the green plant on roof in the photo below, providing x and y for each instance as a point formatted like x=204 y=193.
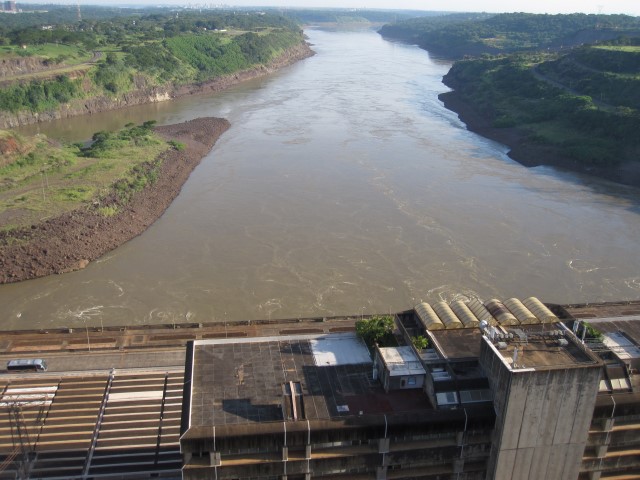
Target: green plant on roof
x=377 y=329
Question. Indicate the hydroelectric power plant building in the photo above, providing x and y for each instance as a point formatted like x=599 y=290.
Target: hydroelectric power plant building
x=505 y=391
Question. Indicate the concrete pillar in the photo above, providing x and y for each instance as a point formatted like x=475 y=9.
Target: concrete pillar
x=460 y=439
x=215 y=460
x=381 y=473
x=307 y=452
x=458 y=465
x=594 y=475
x=285 y=454
x=383 y=445
x=186 y=457
x=601 y=450
x=607 y=424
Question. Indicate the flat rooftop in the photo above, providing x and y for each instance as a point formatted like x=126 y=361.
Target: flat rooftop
x=462 y=343
x=629 y=325
x=541 y=346
x=243 y=381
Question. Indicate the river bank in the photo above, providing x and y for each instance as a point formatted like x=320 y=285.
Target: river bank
x=529 y=153
x=145 y=95
x=72 y=240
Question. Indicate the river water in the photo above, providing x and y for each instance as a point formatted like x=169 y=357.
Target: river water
x=344 y=187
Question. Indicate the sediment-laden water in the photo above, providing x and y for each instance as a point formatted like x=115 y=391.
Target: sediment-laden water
x=344 y=186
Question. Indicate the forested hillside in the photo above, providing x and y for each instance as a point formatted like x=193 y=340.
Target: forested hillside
x=457 y=35
x=47 y=66
x=582 y=107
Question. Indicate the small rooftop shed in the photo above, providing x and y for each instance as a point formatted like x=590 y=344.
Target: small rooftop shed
x=399 y=368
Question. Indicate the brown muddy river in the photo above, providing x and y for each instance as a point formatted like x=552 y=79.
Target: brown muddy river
x=344 y=187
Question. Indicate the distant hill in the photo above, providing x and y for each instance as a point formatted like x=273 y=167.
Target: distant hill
x=338 y=16
x=456 y=35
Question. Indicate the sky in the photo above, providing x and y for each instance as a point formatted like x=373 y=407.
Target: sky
x=629 y=7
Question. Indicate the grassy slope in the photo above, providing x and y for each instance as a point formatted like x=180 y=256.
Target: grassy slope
x=141 y=55
x=65 y=54
x=44 y=179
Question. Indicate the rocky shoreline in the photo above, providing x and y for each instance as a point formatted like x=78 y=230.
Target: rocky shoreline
x=530 y=154
x=69 y=242
x=144 y=95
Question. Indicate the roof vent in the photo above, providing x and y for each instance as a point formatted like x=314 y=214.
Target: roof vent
x=292 y=401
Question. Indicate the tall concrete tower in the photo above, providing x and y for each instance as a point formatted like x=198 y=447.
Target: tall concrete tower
x=545 y=386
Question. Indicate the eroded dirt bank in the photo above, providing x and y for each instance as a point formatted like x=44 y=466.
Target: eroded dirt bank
x=531 y=154
x=70 y=241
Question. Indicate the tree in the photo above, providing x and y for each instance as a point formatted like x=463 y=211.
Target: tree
x=377 y=329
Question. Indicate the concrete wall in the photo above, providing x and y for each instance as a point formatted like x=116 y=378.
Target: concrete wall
x=543 y=418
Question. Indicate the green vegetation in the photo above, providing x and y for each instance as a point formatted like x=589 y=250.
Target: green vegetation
x=39 y=95
x=135 y=52
x=592 y=332
x=577 y=103
x=457 y=35
x=52 y=54
x=109 y=211
x=420 y=342
x=43 y=179
x=376 y=330
x=177 y=145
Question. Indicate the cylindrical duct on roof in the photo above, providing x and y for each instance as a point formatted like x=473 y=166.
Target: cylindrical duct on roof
x=447 y=316
x=522 y=313
x=500 y=312
x=465 y=315
x=480 y=311
x=428 y=317
x=540 y=310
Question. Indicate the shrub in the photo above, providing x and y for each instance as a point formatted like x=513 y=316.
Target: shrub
x=420 y=342
x=109 y=211
x=177 y=145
